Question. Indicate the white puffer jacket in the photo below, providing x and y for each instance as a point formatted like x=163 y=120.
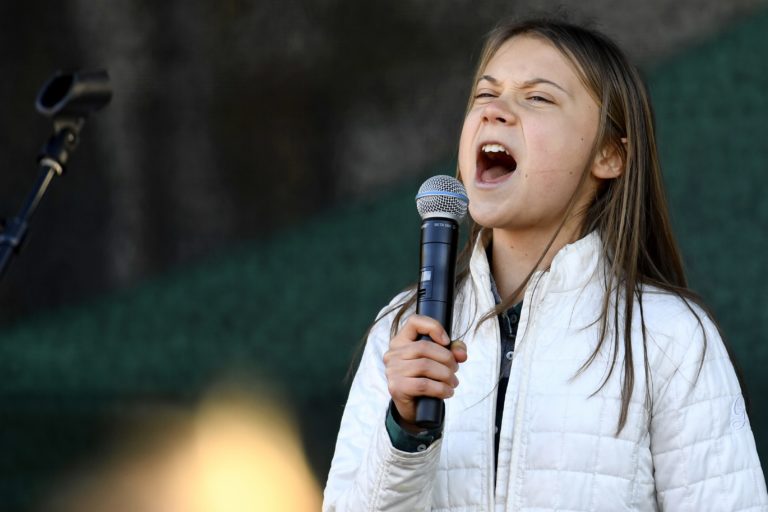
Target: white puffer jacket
x=693 y=450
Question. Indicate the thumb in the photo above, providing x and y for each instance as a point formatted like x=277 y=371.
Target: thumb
x=459 y=350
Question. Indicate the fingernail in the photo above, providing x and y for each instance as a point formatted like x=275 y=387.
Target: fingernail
x=446 y=339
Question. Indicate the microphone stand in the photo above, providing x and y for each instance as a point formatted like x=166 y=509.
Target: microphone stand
x=68 y=98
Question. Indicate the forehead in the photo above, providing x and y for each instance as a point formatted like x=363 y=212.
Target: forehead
x=524 y=57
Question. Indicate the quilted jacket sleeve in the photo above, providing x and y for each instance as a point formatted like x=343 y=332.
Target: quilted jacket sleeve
x=703 y=449
x=367 y=472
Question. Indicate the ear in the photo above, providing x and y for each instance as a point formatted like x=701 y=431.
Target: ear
x=609 y=163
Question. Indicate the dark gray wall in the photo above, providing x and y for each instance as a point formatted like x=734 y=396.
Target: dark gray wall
x=233 y=119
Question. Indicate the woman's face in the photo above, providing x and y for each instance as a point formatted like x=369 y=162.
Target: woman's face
x=527 y=138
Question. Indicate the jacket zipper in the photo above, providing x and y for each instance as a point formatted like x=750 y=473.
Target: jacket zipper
x=523 y=359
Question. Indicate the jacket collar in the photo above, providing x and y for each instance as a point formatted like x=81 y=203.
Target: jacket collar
x=572 y=267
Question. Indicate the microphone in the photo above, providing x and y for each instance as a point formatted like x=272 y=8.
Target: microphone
x=442 y=203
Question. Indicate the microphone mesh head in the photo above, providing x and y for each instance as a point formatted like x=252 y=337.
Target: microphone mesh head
x=442 y=196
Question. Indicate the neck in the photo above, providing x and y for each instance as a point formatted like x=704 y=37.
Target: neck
x=514 y=254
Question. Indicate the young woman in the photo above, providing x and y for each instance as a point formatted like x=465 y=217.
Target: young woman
x=589 y=378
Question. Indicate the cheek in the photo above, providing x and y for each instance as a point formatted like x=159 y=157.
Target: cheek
x=582 y=137
x=544 y=140
x=561 y=152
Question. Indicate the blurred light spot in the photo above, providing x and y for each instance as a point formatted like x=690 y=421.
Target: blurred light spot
x=234 y=454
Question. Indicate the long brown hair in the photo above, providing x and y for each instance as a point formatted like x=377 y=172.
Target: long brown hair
x=628 y=212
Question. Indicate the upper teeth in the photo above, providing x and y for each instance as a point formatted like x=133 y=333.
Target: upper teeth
x=494 y=148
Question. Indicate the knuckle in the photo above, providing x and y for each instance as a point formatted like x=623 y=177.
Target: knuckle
x=423 y=366
x=411 y=322
x=413 y=349
x=421 y=386
x=442 y=356
x=395 y=389
x=397 y=341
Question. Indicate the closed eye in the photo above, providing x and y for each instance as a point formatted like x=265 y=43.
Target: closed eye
x=539 y=99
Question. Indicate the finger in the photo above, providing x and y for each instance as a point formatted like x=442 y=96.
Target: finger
x=419 y=324
x=459 y=350
x=426 y=350
x=410 y=388
x=422 y=368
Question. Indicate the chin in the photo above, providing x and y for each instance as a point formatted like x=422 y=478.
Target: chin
x=485 y=219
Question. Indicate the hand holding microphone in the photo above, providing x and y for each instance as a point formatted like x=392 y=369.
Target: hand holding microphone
x=421 y=373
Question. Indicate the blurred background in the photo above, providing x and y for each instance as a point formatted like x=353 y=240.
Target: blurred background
x=244 y=206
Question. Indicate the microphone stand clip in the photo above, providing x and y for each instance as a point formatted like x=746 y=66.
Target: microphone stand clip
x=68 y=98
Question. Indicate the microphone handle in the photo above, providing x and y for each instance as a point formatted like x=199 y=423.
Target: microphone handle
x=439 y=242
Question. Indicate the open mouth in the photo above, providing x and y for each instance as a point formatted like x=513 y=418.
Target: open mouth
x=494 y=163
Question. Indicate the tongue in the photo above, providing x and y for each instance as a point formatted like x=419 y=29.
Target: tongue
x=495 y=172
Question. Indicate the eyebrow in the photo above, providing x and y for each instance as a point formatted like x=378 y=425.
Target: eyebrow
x=526 y=84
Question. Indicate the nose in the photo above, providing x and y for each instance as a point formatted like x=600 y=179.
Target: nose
x=498 y=112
